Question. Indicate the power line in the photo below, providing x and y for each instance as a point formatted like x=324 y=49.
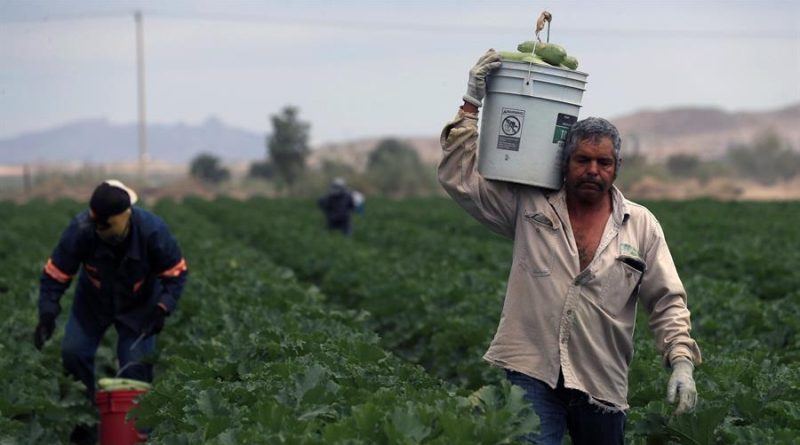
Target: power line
x=438 y=28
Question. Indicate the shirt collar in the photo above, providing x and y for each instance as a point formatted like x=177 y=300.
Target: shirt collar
x=620 y=211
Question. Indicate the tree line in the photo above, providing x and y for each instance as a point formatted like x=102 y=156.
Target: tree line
x=393 y=168
x=766 y=160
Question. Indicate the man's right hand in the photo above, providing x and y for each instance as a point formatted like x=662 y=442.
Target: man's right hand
x=476 y=87
x=44 y=330
x=155 y=322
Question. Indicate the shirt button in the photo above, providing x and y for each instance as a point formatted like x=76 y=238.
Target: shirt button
x=569 y=312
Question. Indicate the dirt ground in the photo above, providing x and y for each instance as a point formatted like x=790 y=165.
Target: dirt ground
x=718 y=188
x=645 y=189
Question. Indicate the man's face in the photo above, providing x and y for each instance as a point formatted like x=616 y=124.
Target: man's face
x=115 y=229
x=591 y=170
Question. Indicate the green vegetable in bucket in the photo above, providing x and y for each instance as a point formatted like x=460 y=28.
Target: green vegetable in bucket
x=526 y=46
x=570 y=62
x=514 y=56
x=551 y=53
x=118 y=384
x=537 y=51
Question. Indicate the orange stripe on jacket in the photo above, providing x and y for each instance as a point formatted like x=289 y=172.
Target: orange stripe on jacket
x=95 y=282
x=175 y=270
x=55 y=273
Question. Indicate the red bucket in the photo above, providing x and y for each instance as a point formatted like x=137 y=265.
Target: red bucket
x=114 y=406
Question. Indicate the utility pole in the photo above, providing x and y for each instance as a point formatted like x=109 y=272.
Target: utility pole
x=27 y=184
x=141 y=98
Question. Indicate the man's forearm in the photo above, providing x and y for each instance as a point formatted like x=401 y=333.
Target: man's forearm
x=50 y=292
x=172 y=289
x=490 y=202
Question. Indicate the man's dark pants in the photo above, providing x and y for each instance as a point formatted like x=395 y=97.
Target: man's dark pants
x=563 y=409
x=80 y=346
x=343 y=226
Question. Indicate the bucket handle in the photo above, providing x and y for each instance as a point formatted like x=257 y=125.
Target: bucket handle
x=544 y=17
x=127 y=365
x=134 y=362
x=528 y=85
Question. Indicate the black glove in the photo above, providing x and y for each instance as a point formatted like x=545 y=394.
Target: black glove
x=44 y=330
x=155 y=321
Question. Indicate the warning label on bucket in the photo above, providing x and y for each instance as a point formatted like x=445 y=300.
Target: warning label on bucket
x=511 y=122
x=563 y=124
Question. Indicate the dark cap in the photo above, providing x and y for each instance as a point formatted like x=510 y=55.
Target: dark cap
x=110 y=198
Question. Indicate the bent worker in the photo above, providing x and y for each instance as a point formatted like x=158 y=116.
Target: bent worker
x=132 y=276
x=338 y=206
x=584 y=257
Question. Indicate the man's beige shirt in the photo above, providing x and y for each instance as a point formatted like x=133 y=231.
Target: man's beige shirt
x=556 y=316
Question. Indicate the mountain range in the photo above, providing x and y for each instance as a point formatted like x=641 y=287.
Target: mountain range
x=656 y=134
x=100 y=141
x=704 y=132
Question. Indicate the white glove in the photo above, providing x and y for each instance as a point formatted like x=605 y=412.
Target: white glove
x=682 y=384
x=476 y=87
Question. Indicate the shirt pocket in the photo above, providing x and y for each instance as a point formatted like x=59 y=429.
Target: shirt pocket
x=538 y=247
x=622 y=283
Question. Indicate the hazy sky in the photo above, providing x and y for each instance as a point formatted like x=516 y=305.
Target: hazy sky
x=370 y=68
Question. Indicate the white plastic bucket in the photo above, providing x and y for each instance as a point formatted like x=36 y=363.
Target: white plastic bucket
x=527 y=112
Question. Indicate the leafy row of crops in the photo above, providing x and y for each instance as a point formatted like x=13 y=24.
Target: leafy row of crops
x=432 y=302
x=289 y=334
x=259 y=358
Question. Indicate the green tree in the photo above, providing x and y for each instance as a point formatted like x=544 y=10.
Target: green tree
x=287 y=146
x=394 y=168
x=767 y=160
x=261 y=170
x=206 y=167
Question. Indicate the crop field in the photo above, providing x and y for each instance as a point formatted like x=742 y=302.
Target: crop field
x=288 y=334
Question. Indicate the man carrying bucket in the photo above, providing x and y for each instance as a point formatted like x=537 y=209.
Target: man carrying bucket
x=132 y=274
x=584 y=256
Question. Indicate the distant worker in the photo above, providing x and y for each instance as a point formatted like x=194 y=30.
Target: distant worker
x=358 y=201
x=338 y=205
x=584 y=257
x=132 y=276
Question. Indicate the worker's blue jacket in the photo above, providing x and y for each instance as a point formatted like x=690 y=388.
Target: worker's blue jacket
x=151 y=272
